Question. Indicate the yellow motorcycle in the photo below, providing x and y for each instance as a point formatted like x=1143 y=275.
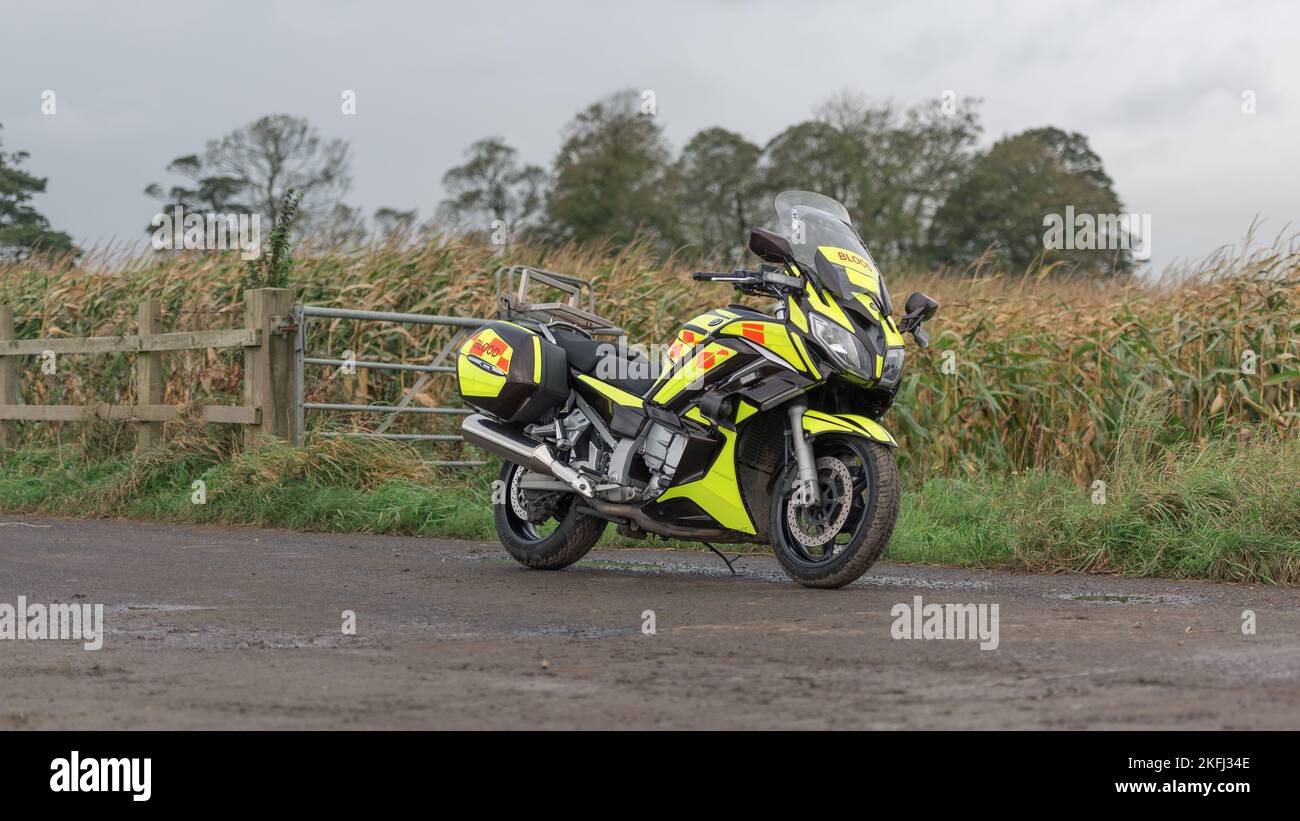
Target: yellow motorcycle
x=753 y=427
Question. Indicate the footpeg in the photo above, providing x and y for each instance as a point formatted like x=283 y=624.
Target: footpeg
x=572 y=478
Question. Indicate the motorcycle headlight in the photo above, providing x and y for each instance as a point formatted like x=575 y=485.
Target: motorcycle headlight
x=893 y=370
x=842 y=345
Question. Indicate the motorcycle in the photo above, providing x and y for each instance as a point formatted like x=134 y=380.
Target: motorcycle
x=757 y=428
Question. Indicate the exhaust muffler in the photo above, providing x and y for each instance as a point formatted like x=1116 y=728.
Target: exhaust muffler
x=513 y=446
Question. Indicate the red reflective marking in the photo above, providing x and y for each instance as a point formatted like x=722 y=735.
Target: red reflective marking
x=707 y=359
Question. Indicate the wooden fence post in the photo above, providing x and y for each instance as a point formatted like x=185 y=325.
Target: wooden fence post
x=8 y=380
x=148 y=374
x=268 y=368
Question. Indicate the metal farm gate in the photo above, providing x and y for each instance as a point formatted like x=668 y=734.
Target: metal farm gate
x=512 y=304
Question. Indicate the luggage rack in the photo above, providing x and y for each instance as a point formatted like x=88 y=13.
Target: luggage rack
x=514 y=302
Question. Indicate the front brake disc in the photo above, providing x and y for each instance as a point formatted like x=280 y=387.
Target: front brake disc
x=815 y=525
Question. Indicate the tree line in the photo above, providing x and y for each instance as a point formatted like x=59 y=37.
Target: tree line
x=922 y=192
x=23 y=229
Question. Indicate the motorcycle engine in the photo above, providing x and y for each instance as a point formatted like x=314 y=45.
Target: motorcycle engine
x=661 y=451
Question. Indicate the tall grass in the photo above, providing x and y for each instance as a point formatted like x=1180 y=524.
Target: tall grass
x=1025 y=372
x=1227 y=510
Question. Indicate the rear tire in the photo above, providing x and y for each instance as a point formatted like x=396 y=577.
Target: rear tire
x=572 y=538
x=860 y=536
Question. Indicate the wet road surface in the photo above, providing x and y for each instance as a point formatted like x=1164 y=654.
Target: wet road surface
x=210 y=627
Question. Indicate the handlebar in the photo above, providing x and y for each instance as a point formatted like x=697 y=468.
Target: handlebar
x=753 y=282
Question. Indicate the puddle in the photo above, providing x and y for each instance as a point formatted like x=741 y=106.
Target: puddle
x=1123 y=598
x=133 y=607
x=753 y=572
x=584 y=632
x=614 y=564
x=623 y=566
x=924 y=584
x=233 y=639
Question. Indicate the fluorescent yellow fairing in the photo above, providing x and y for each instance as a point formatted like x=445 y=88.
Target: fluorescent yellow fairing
x=893 y=338
x=770 y=335
x=860 y=271
x=717 y=492
x=704 y=360
x=796 y=314
x=828 y=307
x=709 y=320
x=619 y=396
x=803 y=350
x=816 y=422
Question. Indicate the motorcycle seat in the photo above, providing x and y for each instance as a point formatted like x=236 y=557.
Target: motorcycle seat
x=603 y=360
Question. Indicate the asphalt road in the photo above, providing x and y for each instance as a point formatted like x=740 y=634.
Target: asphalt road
x=243 y=628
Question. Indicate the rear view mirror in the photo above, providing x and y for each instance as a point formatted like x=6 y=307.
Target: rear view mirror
x=919 y=307
x=916 y=310
x=770 y=247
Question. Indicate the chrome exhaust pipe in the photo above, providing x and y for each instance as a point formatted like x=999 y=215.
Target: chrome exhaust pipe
x=513 y=446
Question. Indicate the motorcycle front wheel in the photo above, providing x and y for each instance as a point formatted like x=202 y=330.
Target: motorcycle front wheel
x=835 y=540
x=551 y=540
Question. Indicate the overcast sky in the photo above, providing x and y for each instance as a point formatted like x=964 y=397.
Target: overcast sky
x=1156 y=87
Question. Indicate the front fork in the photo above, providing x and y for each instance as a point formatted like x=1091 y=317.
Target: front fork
x=805 y=487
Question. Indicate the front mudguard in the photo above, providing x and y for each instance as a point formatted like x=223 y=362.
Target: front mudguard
x=816 y=423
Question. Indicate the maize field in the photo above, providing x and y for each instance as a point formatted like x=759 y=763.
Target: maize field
x=1025 y=371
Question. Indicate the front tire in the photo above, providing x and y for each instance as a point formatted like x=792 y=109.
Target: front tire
x=571 y=539
x=834 y=542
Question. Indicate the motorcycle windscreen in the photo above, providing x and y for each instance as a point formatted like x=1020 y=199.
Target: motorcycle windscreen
x=824 y=241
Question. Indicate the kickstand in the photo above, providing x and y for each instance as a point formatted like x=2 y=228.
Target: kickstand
x=724 y=558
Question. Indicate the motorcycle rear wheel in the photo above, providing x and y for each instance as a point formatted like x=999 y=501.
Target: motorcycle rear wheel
x=834 y=542
x=573 y=537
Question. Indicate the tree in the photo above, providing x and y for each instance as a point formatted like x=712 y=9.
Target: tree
x=213 y=194
x=1001 y=204
x=23 y=230
x=253 y=167
x=836 y=153
x=932 y=150
x=491 y=185
x=390 y=222
x=891 y=167
x=607 y=176
x=343 y=228
x=715 y=190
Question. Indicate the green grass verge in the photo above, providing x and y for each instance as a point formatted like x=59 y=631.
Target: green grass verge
x=1223 y=510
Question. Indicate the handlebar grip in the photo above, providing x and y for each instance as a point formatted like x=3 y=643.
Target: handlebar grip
x=782 y=279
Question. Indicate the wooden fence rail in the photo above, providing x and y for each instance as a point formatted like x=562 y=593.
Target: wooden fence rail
x=267 y=341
